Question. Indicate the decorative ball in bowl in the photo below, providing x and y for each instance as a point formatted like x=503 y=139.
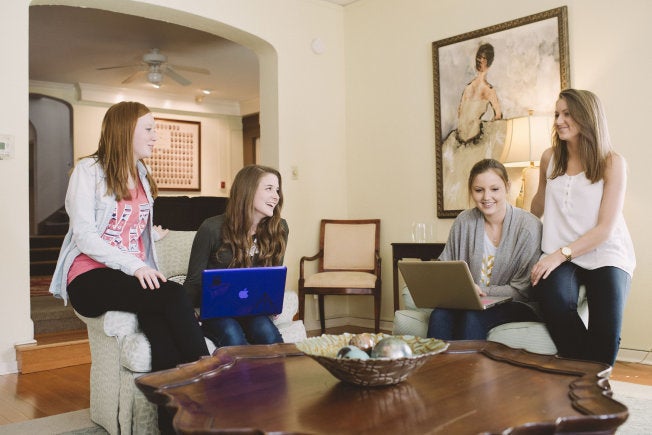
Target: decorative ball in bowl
x=389 y=363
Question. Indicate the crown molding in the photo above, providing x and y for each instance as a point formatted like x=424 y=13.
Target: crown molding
x=155 y=100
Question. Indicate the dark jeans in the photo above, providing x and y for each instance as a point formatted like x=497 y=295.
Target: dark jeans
x=606 y=292
x=450 y=324
x=230 y=331
x=165 y=315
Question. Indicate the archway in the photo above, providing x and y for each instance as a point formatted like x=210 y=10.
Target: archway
x=267 y=56
x=51 y=156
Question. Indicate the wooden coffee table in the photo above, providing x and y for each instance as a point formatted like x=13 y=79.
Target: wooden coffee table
x=473 y=387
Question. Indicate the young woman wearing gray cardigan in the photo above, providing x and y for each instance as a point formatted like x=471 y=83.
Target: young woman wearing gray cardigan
x=500 y=243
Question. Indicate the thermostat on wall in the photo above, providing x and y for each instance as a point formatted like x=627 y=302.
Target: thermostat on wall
x=6 y=147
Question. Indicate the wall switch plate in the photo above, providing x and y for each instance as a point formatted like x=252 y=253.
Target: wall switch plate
x=6 y=147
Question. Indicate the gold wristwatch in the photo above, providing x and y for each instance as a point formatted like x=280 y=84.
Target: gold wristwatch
x=567 y=252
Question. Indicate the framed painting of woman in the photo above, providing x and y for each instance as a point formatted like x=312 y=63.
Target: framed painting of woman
x=484 y=78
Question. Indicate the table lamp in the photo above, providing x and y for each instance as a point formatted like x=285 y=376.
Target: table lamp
x=526 y=139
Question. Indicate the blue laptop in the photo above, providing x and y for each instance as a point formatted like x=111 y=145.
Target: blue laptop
x=241 y=292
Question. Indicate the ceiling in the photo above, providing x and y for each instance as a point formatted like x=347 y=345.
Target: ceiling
x=68 y=45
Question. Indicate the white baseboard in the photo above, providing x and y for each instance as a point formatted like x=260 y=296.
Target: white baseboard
x=7 y=368
x=634 y=356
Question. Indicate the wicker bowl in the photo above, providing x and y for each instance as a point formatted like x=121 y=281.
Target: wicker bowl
x=371 y=372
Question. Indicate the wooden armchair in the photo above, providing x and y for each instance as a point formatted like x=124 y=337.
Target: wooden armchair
x=349 y=264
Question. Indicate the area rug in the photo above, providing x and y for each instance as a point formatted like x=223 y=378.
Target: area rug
x=637 y=398
x=70 y=423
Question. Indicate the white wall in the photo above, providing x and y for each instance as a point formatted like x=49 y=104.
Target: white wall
x=390 y=111
x=15 y=323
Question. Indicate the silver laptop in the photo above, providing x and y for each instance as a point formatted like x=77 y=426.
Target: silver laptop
x=445 y=284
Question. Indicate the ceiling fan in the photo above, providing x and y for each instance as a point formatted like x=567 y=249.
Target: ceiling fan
x=154 y=65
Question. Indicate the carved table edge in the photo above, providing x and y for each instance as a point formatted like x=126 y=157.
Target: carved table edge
x=590 y=394
x=153 y=385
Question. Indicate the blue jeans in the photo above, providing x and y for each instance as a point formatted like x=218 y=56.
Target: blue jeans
x=230 y=331
x=450 y=324
x=606 y=292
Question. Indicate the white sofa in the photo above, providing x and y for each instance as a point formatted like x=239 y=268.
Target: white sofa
x=120 y=352
x=531 y=336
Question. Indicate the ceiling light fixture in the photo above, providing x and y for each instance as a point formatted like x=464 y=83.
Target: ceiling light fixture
x=155 y=78
x=206 y=91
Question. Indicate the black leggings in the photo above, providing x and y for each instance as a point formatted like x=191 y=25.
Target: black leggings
x=166 y=315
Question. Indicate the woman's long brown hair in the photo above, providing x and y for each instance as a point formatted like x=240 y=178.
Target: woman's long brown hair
x=270 y=233
x=115 y=151
x=594 y=142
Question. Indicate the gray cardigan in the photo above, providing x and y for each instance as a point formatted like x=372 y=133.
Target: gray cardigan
x=518 y=251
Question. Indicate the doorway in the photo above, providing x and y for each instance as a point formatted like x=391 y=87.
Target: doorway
x=50 y=161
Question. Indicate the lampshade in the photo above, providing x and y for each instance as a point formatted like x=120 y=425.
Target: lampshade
x=526 y=139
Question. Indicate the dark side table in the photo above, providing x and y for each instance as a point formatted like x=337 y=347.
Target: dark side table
x=422 y=251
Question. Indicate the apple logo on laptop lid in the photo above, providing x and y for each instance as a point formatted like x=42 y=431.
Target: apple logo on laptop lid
x=243 y=294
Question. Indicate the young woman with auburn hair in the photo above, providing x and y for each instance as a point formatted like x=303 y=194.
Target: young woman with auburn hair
x=107 y=261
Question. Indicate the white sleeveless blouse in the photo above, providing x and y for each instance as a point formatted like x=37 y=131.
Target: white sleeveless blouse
x=571 y=209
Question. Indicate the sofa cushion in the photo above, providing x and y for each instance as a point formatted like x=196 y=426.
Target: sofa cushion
x=411 y=322
x=173 y=252
x=531 y=336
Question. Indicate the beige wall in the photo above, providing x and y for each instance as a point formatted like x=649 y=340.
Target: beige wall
x=356 y=120
x=390 y=112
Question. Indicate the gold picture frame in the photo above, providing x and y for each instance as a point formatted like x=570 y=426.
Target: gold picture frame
x=482 y=79
x=176 y=158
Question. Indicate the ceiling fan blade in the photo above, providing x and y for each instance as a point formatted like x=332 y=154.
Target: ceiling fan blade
x=115 y=67
x=177 y=77
x=132 y=77
x=191 y=69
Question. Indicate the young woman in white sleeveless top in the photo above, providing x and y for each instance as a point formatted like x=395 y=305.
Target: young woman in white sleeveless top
x=585 y=239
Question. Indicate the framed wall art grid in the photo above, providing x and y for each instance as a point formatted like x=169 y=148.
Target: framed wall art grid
x=175 y=161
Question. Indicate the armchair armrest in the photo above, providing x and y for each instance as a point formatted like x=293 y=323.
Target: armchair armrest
x=119 y=323
x=313 y=258
x=377 y=265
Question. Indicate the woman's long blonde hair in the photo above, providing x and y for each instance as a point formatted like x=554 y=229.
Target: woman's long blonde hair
x=270 y=233
x=115 y=152
x=594 y=142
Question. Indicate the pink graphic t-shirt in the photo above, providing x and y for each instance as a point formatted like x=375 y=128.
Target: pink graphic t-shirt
x=127 y=223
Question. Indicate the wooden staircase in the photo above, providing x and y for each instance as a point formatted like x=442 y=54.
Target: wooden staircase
x=43 y=254
x=53 y=351
x=61 y=337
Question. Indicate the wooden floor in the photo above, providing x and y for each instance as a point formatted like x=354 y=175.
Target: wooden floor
x=34 y=395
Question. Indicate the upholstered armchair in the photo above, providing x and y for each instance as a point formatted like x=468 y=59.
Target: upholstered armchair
x=120 y=352
x=348 y=264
